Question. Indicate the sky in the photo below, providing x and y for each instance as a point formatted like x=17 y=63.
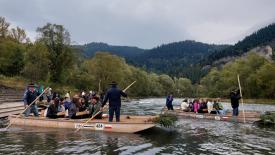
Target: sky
x=143 y=23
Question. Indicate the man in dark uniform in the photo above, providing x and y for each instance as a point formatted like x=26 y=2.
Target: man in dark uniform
x=114 y=96
x=31 y=95
x=235 y=97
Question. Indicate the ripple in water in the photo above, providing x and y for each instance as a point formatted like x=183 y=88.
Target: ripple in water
x=191 y=136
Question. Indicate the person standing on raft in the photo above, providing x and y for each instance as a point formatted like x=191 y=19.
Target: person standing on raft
x=169 y=102
x=114 y=96
x=30 y=96
x=235 y=97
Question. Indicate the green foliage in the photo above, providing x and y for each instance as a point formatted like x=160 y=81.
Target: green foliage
x=166 y=120
x=11 y=57
x=256 y=75
x=177 y=59
x=90 y=49
x=37 y=63
x=268 y=119
x=57 y=40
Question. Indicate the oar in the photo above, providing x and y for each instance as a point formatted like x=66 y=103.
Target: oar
x=241 y=97
x=27 y=107
x=103 y=108
x=99 y=86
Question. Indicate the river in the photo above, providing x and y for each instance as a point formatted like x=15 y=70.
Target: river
x=190 y=136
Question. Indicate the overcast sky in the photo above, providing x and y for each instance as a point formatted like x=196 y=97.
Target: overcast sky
x=143 y=23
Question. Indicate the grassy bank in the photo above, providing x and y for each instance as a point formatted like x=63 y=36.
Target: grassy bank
x=20 y=83
x=13 y=82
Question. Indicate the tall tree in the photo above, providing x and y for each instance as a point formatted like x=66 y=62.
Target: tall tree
x=18 y=35
x=11 y=57
x=57 y=40
x=106 y=68
x=37 y=62
x=4 y=27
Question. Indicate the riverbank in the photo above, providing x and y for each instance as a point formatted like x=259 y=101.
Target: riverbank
x=20 y=83
x=254 y=101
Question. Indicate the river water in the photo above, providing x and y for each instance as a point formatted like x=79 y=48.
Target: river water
x=190 y=136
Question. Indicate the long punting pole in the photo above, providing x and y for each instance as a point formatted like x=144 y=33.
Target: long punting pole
x=27 y=107
x=105 y=107
x=241 y=97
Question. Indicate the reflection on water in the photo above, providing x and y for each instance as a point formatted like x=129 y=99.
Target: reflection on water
x=191 y=136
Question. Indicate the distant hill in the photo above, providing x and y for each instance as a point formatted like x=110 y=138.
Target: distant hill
x=262 y=37
x=90 y=49
x=177 y=59
x=189 y=59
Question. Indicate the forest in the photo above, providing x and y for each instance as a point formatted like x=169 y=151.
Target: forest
x=52 y=60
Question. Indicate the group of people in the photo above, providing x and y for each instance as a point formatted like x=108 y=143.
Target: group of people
x=90 y=102
x=213 y=106
x=202 y=106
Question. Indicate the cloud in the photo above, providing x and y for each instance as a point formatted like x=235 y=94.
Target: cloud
x=143 y=23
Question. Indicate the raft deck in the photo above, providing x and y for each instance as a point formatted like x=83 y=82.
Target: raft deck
x=250 y=117
x=127 y=124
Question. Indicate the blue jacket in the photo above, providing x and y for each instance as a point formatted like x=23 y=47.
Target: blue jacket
x=113 y=95
x=169 y=100
x=67 y=104
x=31 y=96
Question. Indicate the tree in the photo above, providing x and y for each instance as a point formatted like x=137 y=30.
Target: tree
x=11 y=58
x=57 y=40
x=167 y=83
x=106 y=68
x=37 y=62
x=18 y=35
x=184 y=87
x=4 y=27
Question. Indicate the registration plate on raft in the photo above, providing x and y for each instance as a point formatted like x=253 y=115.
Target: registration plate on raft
x=97 y=126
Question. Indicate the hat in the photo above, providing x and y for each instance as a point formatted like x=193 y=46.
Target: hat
x=67 y=95
x=113 y=83
x=31 y=85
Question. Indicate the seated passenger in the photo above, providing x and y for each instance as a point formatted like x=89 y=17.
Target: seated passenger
x=184 y=106
x=94 y=108
x=61 y=107
x=81 y=104
x=196 y=106
x=209 y=106
x=203 y=107
x=67 y=101
x=53 y=109
x=73 y=108
x=218 y=108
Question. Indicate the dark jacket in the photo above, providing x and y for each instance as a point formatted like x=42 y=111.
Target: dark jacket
x=169 y=100
x=72 y=110
x=113 y=95
x=235 y=97
x=31 y=96
x=52 y=111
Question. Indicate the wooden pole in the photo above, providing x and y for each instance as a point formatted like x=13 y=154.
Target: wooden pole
x=105 y=107
x=27 y=107
x=99 y=86
x=241 y=97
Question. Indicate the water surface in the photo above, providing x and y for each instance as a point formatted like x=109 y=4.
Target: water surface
x=191 y=136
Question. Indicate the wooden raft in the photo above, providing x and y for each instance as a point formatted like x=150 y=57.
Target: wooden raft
x=250 y=117
x=127 y=124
